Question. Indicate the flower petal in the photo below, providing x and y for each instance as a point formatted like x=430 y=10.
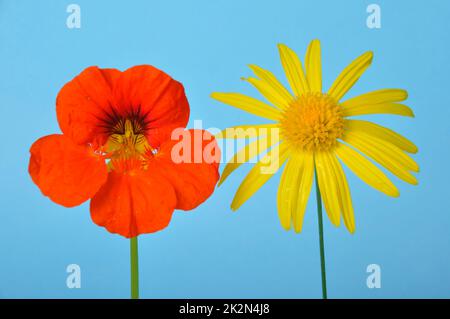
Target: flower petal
x=345 y=199
x=377 y=97
x=382 y=133
x=84 y=102
x=69 y=174
x=294 y=71
x=260 y=174
x=269 y=78
x=270 y=93
x=194 y=176
x=385 y=108
x=294 y=190
x=366 y=171
x=313 y=64
x=288 y=190
x=304 y=189
x=328 y=187
x=149 y=92
x=384 y=153
x=350 y=75
x=248 y=104
x=133 y=203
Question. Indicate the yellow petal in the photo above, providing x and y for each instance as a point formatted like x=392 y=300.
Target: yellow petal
x=327 y=186
x=305 y=180
x=386 y=108
x=345 y=199
x=377 y=97
x=381 y=132
x=247 y=131
x=287 y=191
x=248 y=104
x=313 y=63
x=386 y=154
x=366 y=170
x=294 y=70
x=247 y=153
x=271 y=94
x=272 y=81
x=388 y=149
x=260 y=174
x=350 y=75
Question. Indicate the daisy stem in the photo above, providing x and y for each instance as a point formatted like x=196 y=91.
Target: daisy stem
x=322 y=246
x=134 y=264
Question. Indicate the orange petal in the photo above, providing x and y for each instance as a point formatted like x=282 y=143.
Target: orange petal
x=154 y=95
x=133 y=202
x=190 y=163
x=67 y=173
x=83 y=104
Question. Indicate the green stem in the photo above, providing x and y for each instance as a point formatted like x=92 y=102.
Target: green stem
x=322 y=248
x=134 y=264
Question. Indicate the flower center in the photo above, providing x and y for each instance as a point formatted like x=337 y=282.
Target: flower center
x=313 y=122
x=127 y=140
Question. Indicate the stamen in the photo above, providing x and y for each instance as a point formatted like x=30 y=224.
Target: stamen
x=128 y=140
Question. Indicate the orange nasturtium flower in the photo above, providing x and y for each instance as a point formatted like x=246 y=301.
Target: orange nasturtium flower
x=116 y=149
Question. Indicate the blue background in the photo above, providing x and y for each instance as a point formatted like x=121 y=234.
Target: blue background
x=212 y=252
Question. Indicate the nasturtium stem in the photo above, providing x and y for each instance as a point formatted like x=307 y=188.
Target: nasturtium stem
x=322 y=248
x=134 y=264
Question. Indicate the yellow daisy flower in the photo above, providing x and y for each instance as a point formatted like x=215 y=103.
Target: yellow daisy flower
x=317 y=134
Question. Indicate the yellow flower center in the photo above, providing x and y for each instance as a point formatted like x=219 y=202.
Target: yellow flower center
x=313 y=122
x=127 y=140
